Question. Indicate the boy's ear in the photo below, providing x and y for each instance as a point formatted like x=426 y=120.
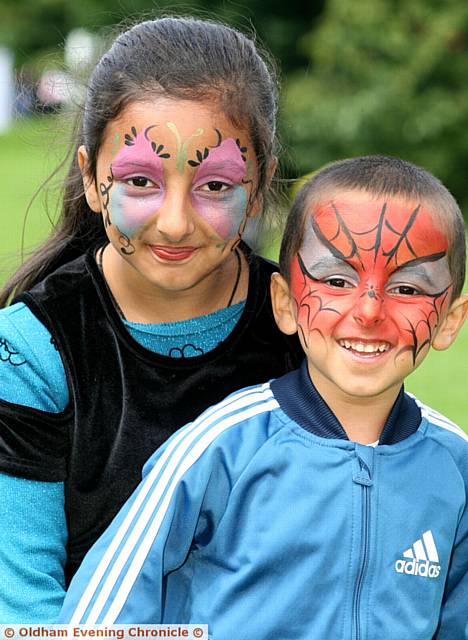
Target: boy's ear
x=89 y=184
x=283 y=305
x=452 y=323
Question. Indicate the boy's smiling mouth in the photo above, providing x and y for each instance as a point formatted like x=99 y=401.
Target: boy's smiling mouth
x=365 y=348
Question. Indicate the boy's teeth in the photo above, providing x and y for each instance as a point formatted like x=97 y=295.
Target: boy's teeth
x=366 y=347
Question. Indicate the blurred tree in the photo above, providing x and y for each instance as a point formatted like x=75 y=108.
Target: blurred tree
x=384 y=76
x=32 y=27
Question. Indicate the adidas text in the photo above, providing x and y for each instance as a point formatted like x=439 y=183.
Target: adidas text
x=415 y=568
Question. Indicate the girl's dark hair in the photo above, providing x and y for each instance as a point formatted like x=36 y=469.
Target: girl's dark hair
x=380 y=176
x=174 y=57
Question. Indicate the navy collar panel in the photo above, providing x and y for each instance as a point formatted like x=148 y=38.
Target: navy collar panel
x=301 y=402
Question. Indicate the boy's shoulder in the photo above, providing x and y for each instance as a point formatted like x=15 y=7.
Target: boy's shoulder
x=446 y=432
x=441 y=423
x=248 y=410
x=238 y=426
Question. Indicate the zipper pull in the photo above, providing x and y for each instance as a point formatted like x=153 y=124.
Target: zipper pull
x=363 y=464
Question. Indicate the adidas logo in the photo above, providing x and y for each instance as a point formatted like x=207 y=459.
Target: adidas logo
x=422 y=558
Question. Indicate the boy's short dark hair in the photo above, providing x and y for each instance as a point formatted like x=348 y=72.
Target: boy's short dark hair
x=379 y=176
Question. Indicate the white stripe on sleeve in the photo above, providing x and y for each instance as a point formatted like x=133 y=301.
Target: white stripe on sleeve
x=153 y=482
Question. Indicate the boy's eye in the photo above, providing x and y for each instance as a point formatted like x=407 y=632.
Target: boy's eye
x=405 y=290
x=214 y=186
x=340 y=283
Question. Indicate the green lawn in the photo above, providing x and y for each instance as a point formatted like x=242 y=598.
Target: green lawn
x=32 y=150
x=28 y=155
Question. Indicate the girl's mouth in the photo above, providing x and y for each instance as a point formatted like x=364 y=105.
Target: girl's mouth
x=173 y=254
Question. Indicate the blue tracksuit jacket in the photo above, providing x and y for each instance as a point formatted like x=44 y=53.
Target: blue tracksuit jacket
x=264 y=521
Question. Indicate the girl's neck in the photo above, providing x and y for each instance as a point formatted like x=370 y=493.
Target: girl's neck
x=141 y=301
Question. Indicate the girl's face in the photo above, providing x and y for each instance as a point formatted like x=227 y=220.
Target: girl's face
x=175 y=183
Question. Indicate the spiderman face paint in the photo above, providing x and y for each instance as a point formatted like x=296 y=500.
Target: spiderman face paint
x=371 y=284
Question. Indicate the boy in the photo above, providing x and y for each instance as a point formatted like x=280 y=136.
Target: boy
x=327 y=503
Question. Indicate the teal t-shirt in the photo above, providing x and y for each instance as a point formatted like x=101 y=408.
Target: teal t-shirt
x=32 y=373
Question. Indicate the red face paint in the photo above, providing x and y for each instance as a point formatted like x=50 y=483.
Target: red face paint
x=371 y=281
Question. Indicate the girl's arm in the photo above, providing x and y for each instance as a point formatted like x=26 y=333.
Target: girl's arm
x=33 y=536
x=33 y=531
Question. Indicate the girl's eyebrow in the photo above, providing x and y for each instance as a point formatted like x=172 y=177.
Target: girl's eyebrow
x=130 y=162
x=233 y=169
x=232 y=165
x=130 y=165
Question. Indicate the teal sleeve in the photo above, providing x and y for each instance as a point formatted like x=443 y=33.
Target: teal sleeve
x=33 y=536
x=31 y=370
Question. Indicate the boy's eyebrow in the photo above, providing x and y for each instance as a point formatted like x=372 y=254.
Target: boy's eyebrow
x=327 y=263
x=432 y=257
x=415 y=271
x=418 y=267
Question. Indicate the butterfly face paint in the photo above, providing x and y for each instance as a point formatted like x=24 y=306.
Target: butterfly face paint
x=371 y=284
x=174 y=183
x=219 y=194
x=139 y=176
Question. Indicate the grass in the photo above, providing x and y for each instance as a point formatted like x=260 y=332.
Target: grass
x=32 y=149
x=29 y=152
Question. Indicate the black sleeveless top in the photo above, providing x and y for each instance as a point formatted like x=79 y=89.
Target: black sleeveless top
x=125 y=401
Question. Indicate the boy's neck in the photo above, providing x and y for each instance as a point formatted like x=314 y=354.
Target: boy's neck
x=362 y=418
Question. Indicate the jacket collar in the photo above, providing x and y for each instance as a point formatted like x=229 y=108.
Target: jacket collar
x=300 y=400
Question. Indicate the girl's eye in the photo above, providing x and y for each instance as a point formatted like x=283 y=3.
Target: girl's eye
x=140 y=181
x=405 y=290
x=340 y=283
x=215 y=186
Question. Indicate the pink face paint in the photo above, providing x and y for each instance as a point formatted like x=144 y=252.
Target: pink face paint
x=223 y=210
x=132 y=204
x=376 y=271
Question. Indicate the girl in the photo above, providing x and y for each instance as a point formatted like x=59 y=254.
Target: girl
x=167 y=311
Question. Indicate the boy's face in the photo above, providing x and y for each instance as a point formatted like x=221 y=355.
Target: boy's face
x=370 y=286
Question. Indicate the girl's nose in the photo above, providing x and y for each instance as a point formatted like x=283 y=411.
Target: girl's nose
x=370 y=309
x=174 y=219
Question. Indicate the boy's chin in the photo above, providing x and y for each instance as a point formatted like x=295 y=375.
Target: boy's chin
x=356 y=389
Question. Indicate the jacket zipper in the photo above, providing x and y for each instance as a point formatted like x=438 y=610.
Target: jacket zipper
x=363 y=478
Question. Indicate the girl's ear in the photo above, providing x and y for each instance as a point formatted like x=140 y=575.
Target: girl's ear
x=452 y=323
x=89 y=184
x=282 y=303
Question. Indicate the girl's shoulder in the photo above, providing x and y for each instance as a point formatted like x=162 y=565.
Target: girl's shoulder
x=31 y=369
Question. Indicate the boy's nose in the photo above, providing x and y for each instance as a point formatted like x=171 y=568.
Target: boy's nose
x=369 y=309
x=174 y=219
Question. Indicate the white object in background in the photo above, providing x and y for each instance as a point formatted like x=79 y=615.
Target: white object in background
x=80 y=49
x=6 y=89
